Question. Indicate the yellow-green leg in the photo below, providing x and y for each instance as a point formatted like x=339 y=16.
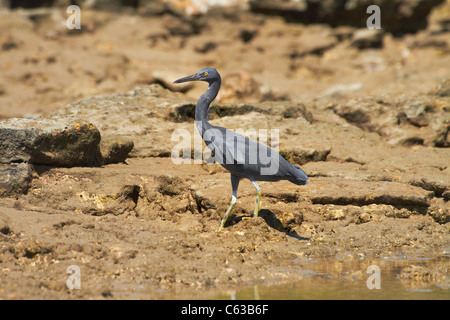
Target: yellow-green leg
x=234 y=186
x=225 y=217
x=258 y=200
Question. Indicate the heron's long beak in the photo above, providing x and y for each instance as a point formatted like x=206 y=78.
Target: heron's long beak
x=194 y=77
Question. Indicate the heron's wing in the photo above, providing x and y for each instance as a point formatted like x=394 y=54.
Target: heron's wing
x=248 y=157
x=228 y=147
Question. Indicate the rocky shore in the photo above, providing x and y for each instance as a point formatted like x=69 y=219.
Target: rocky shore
x=86 y=139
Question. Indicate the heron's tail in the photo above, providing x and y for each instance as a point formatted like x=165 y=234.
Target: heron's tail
x=299 y=176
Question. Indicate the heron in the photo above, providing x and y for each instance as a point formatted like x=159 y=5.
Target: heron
x=241 y=156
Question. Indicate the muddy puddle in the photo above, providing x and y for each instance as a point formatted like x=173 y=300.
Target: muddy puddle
x=389 y=277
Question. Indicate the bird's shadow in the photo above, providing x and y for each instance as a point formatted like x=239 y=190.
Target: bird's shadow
x=272 y=221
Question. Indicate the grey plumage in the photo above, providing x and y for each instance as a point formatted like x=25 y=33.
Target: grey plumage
x=244 y=158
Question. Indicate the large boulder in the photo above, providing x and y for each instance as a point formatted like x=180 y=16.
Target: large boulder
x=54 y=141
x=417 y=120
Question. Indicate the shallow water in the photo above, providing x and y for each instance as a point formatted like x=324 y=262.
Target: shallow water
x=390 y=277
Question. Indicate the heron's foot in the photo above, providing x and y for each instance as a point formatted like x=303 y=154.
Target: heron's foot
x=255 y=215
x=222 y=224
x=225 y=217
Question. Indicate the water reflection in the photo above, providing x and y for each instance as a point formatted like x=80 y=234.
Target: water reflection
x=388 y=277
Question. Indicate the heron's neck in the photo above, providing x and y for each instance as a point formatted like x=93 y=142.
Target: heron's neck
x=201 y=110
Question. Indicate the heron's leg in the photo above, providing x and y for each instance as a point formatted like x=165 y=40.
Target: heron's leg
x=234 y=186
x=258 y=198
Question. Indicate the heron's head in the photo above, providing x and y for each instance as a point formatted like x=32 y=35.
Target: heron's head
x=209 y=75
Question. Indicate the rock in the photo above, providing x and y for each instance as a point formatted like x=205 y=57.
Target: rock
x=57 y=142
x=114 y=5
x=300 y=155
x=364 y=217
x=247 y=35
x=421 y=119
x=403 y=213
x=315 y=44
x=115 y=149
x=438 y=185
x=397 y=16
x=188 y=8
x=8 y=45
x=417 y=113
x=446 y=195
x=427 y=42
x=283 y=197
x=367 y=38
x=181 y=112
x=349 y=192
x=183 y=27
x=30 y=247
x=118 y=203
x=442 y=137
x=5 y=226
x=229 y=110
x=439 y=210
x=332 y=212
x=439 y=19
x=297 y=111
x=15 y=178
x=149 y=115
x=206 y=47
x=343 y=32
x=170 y=186
x=203 y=200
x=365 y=113
x=244 y=88
x=440 y=215
x=378 y=210
x=291 y=220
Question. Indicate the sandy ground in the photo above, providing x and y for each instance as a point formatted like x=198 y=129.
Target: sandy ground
x=146 y=228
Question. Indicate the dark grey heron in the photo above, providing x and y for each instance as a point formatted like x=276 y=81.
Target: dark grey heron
x=244 y=158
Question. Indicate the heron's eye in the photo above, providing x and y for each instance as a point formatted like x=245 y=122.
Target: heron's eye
x=205 y=74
